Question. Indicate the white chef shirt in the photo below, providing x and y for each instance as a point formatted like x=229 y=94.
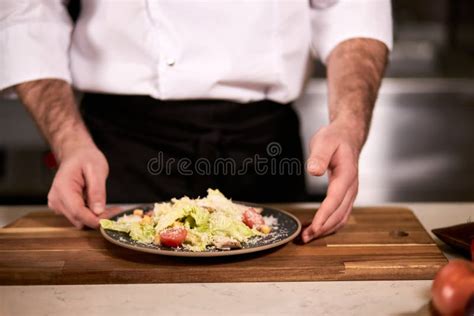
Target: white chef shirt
x=241 y=50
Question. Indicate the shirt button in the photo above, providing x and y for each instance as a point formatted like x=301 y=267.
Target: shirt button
x=170 y=62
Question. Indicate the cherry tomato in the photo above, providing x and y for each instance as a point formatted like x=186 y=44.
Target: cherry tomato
x=252 y=219
x=453 y=286
x=173 y=237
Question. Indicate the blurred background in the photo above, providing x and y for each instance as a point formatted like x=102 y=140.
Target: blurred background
x=421 y=145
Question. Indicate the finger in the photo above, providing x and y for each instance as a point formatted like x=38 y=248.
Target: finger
x=310 y=233
x=339 y=184
x=339 y=215
x=341 y=179
x=52 y=202
x=111 y=212
x=95 y=188
x=60 y=209
x=71 y=196
x=322 y=148
x=77 y=209
x=346 y=217
x=57 y=206
x=71 y=218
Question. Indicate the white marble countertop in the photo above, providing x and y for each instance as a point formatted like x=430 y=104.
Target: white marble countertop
x=282 y=298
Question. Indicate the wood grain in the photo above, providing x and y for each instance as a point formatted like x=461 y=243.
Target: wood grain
x=43 y=248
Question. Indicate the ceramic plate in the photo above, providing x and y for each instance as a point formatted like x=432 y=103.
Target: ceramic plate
x=287 y=229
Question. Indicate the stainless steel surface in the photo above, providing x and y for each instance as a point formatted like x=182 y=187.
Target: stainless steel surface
x=421 y=145
x=23 y=176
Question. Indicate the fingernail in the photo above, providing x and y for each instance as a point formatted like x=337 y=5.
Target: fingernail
x=98 y=208
x=307 y=236
x=312 y=165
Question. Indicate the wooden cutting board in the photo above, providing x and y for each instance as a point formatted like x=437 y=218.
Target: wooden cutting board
x=379 y=243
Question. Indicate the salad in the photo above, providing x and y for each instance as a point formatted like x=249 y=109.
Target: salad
x=194 y=224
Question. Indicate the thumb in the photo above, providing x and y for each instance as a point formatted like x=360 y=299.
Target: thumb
x=320 y=154
x=95 y=189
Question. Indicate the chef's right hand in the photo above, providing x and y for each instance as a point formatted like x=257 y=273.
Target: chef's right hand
x=78 y=189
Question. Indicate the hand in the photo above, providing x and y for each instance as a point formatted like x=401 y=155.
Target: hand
x=334 y=148
x=78 y=189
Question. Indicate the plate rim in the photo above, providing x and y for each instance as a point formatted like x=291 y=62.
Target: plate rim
x=203 y=254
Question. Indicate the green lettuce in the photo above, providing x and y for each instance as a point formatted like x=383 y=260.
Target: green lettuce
x=196 y=240
x=200 y=217
x=207 y=220
x=167 y=219
x=113 y=225
x=141 y=232
x=220 y=224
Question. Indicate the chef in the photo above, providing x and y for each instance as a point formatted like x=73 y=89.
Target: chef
x=173 y=82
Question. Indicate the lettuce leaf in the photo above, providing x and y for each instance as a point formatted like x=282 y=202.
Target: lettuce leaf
x=208 y=219
x=220 y=224
x=141 y=232
x=196 y=241
x=113 y=225
x=201 y=218
x=167 y=219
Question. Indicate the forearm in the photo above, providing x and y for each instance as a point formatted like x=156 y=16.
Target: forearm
x=51 y=103
x=355 y=70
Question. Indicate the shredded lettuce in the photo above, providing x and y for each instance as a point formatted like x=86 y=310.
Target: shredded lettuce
x=142 y=232
x=223 y=225
x=201 y=218
x=206 y=220
x=166 y=220
x=196 y=241
x=118 y=226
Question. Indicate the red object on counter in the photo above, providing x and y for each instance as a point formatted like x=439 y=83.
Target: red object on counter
x=453 y=287
x=50 y=161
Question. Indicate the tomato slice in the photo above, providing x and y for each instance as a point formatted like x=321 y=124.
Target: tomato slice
x=252 y=219
x=173 y=237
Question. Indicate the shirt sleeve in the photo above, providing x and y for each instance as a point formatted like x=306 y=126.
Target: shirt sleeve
x=336 y=21
x=34 y=40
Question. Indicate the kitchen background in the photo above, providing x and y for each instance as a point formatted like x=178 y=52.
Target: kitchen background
x=421 y=145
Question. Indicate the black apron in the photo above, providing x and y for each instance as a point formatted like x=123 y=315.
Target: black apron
x=162 y=149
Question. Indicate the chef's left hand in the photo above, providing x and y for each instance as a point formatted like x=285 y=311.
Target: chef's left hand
x=334 y=148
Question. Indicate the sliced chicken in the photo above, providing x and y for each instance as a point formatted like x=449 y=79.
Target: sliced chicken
x=226 y=243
